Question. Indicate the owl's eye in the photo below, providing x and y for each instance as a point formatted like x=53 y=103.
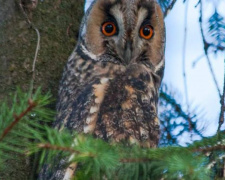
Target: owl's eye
x=146 y=31
x=109 y=29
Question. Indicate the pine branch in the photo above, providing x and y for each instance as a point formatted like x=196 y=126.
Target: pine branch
x=101 y=159
x=135 y=160
x=18 y=134
x=210 y=149
x=18 y=118
x=49 y=146
x=57 y=148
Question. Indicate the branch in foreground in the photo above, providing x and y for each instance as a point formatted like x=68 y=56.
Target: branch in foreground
x=58 y=148
x=18 y=118
x=210 y=149
x=72 y=151
x=50 y=147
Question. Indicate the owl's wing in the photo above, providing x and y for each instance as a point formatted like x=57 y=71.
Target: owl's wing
x=81 y=93
x=76 y=94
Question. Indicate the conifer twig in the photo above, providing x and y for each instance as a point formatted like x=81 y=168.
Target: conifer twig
x=206 y=47
x=210 y=149
x=58 y=148
x=18 y=118
x=135 y=160
x=168 y=9
x=73 y=151
x=222 y=99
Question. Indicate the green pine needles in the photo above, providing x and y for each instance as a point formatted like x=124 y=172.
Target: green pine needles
x=24 y=130
x=21 y=119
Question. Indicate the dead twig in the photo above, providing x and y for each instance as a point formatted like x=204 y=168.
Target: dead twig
x=68 y=29
x=38 y=41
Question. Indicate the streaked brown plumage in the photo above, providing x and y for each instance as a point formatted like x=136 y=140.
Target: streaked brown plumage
x=110 y=84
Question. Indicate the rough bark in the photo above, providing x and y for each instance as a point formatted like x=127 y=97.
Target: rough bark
x=58 y=24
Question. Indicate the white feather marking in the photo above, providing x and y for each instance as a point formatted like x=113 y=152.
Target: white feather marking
x=93 y=109
x=83 y=32
x=97 y=100
x=90 y=54
x=86 y=129
x=88 y=120
x=104 y=80
x=69 y=171
x=160 y=65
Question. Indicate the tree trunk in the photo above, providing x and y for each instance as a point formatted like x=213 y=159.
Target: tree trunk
x=58 y=24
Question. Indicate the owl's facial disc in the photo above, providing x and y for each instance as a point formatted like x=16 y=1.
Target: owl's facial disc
x=125 y=31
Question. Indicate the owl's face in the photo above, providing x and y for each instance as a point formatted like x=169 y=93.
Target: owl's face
x=124 y=32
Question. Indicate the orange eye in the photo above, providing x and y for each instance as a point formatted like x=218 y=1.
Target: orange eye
x=146 y=31
x=109 y=29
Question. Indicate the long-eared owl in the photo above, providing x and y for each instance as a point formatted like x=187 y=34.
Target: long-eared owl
x=110 y=83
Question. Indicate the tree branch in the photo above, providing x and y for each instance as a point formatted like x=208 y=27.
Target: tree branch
x=73 y=151
x=210 y=149
x=18 y=118
x=168 y=9
x=135 y=160
x=184 y=65
x=222 y=109
x=206 y=47
x=58 y=148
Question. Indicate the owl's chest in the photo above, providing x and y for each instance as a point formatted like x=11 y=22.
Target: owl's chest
x=112 y=101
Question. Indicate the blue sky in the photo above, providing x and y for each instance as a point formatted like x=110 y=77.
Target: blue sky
x=201 y=89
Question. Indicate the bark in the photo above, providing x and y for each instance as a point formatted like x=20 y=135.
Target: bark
x=58 y=24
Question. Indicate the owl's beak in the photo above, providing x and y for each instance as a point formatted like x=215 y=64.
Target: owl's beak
x=127 y=52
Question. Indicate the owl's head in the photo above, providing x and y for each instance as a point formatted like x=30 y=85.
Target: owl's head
x=124 y=32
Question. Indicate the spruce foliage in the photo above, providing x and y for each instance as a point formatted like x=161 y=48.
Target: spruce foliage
x=21 y=120
x=217 y=31
x=175 y=121
x=96 y=158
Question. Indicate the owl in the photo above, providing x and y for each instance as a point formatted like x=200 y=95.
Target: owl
x=110 y=84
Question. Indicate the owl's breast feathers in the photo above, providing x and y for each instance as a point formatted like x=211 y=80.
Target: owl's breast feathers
x=110 y=101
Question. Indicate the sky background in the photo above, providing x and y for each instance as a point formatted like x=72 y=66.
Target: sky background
x=202 y=93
